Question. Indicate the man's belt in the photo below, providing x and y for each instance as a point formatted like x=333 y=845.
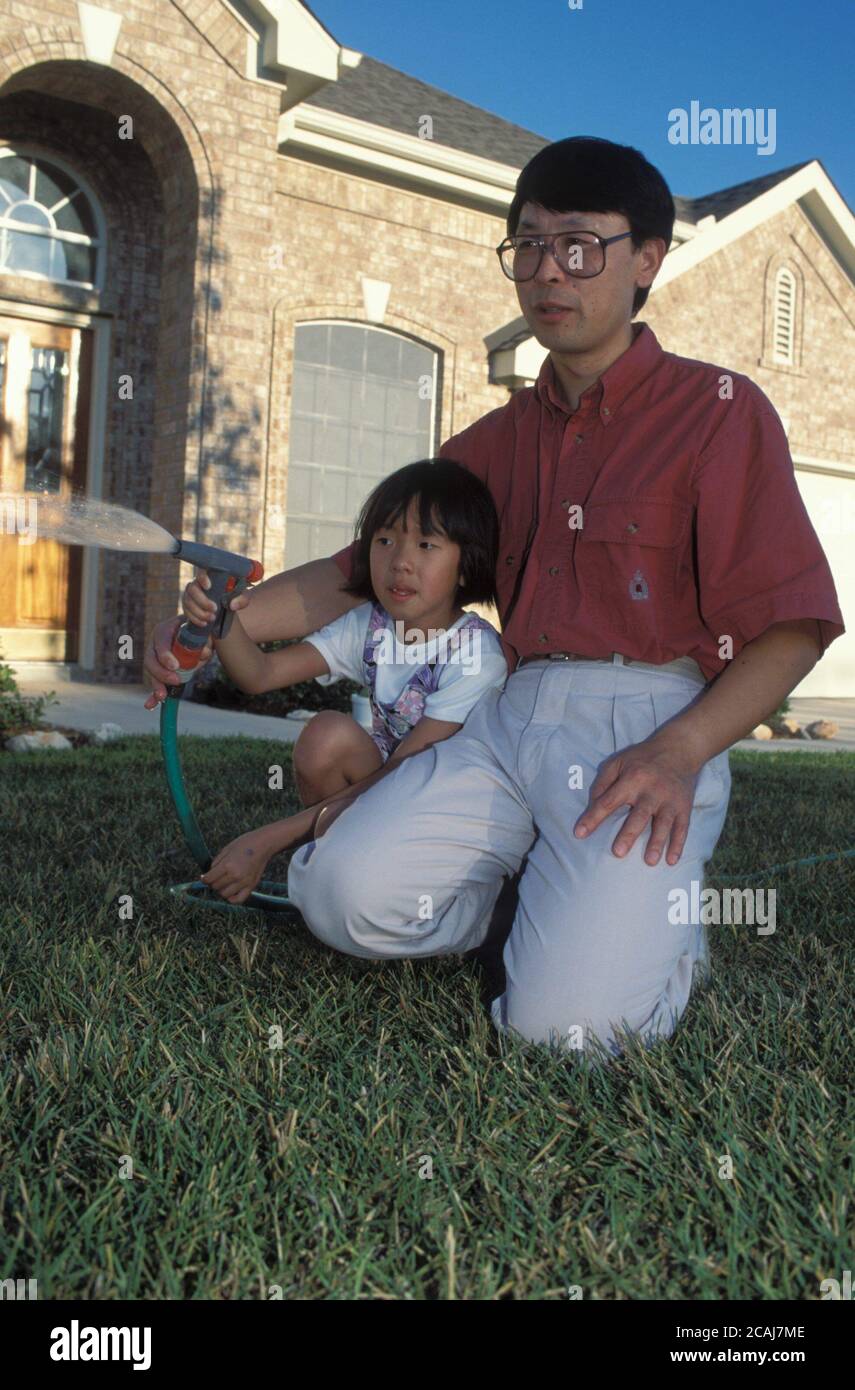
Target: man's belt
x=575 y=656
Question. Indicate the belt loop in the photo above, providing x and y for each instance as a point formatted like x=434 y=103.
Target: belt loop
x=617 y=659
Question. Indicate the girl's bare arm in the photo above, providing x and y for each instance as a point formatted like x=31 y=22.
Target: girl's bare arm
x=256 y=671
x=286 y=605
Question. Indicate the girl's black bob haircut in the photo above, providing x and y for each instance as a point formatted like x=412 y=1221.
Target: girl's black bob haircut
x=452 y=499
x=587 y=174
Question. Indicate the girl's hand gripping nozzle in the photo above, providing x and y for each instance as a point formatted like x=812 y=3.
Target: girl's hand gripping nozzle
x=229 y=575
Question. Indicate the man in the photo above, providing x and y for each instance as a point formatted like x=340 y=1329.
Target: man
x=661 y=591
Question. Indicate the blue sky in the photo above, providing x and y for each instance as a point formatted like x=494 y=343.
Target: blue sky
x=615 y=68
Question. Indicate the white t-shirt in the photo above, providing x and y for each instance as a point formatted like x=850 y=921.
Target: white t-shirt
x=467 y=670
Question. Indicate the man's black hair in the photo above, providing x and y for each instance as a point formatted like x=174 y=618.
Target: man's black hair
x=451 y=497
x=587 y=174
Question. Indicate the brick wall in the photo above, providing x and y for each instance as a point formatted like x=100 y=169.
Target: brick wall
x=192 y=194
x=722 y=311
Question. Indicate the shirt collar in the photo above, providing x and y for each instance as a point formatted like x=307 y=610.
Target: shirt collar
x=610 y=390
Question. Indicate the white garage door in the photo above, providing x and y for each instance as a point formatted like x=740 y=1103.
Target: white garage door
x=831 y=505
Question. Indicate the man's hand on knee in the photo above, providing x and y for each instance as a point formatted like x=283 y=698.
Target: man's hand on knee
x=658 y=783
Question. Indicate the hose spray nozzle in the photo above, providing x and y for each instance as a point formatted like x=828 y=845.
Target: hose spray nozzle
x=229 y=575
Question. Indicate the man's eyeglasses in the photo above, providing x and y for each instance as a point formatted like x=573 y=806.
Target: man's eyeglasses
x=577 y=253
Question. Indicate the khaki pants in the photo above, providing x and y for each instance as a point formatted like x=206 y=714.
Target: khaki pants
x=414 y=867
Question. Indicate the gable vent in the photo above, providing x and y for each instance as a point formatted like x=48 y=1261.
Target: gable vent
x=785 y=316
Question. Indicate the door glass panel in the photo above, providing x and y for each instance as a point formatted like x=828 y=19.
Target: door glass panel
x=73 y=262
x=52 y=184
x=31 y=254
x=45 y=412
x=63 y=242
x=33 y=215
x=24 y=251
x=15 y=178
x=74 y=214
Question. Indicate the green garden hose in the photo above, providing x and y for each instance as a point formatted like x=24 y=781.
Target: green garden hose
x=804 y=863
x=269 y=897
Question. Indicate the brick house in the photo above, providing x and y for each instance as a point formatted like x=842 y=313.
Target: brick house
x=245 y=272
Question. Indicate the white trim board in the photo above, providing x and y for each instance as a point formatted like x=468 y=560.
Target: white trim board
x=832 y=468
x=809 y=186
x=373 y=147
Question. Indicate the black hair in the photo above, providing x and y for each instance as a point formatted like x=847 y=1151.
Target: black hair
x=450 y=497
x=587 y=174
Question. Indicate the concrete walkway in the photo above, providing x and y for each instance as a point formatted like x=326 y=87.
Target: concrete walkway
x=85 y=706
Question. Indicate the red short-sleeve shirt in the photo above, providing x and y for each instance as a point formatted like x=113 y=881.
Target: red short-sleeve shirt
x=661 y=517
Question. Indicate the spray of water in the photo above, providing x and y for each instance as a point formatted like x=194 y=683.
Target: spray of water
x=86 y=521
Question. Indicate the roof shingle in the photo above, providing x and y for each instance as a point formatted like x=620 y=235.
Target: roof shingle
x=384 y=96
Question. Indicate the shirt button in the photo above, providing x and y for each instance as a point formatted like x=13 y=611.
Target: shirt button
x=566 y=504
x=606 y=410
x=510 y=560
x=543 y=637
x=632 y=527
x=553 y=569
x=580 y=437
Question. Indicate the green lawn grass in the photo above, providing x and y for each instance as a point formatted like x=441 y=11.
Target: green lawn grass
x=305 y=1166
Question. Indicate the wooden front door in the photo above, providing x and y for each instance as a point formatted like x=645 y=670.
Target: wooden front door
x=44 y=400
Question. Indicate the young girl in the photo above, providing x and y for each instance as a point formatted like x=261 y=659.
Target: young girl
x=427 y=541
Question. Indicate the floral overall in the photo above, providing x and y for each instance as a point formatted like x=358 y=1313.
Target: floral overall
x=390 y=722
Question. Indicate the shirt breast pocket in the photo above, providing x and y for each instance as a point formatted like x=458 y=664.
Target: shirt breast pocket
x=629 y=553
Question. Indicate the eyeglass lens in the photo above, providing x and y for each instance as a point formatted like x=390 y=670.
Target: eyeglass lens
x=577 y=253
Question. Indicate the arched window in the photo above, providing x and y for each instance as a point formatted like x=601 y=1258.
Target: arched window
x=363 y=404
x=47 y=223
x=784 y=328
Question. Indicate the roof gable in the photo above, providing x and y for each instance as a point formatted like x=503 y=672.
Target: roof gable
x=727 y=200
